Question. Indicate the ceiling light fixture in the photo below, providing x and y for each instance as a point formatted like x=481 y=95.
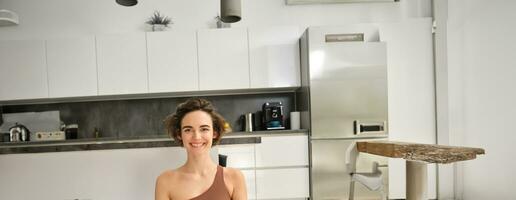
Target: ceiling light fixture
x=230 y=11
x=127 y=2
x=8 y=18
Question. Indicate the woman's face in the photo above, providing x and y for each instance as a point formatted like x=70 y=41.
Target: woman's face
x=197 y=131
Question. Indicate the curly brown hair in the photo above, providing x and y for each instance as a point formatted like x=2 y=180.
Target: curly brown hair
x=173 y=121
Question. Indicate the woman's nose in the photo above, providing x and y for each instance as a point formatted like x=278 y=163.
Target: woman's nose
x=197 y=134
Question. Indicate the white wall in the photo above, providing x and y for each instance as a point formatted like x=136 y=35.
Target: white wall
x=481 y=76
x=411 y=94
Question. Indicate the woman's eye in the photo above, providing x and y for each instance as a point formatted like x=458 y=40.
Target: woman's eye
x=205 y=129
x=186 y=130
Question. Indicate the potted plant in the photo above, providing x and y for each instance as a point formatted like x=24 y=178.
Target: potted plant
x=158 y=21
x=220 y=23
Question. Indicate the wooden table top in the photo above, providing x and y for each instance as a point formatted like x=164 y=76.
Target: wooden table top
x=419 y=152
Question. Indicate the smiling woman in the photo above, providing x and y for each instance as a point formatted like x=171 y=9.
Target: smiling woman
x=197 y=127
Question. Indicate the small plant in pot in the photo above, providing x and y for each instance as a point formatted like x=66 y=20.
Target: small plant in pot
x=158 y=21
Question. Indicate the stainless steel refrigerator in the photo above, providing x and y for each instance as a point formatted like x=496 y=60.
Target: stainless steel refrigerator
x=344 y=95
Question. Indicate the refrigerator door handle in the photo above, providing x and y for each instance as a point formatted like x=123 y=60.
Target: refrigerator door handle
x=368 y=127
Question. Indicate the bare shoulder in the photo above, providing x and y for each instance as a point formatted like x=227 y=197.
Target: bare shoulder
x=165 y=175
x=164 y=182
x=233 y=175
x=235 y=182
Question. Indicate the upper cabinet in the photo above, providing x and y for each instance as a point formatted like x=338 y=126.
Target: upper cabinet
x=172 y=61
x=72 y=67
x=23 y=70
x=122 y=64
x=154 y=62
x=274 y=56
x=223 y=59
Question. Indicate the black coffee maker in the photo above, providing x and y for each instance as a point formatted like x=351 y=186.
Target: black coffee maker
x=272 y=114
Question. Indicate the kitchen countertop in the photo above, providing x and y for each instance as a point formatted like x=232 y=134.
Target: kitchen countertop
x=430 y=153
x=131 y=142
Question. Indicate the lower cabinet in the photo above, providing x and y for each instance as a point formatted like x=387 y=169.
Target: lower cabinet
x=271 y=170
x=250 y=182
x=284 y=183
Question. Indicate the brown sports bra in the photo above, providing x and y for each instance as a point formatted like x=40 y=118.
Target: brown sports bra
x=217 y=190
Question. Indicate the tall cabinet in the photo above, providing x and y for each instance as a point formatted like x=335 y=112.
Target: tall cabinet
x=23 y=70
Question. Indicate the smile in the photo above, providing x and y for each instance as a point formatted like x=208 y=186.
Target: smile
x=197 y=145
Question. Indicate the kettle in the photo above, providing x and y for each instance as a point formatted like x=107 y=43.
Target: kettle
x=19 y=133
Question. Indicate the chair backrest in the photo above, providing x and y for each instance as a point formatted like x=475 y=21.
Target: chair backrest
x=351 y=157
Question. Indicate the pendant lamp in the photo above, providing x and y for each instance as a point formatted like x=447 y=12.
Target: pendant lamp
x=127 y=2
x=230 y=11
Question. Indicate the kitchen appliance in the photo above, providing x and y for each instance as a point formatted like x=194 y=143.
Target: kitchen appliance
x=248 y=122
x=19 y=133
x=49 y=136
x=34 y=121
x=273 y=115
x=344 y=88
x=71 y=131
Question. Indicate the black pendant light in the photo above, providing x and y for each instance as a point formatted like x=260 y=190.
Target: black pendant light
x=127 y=2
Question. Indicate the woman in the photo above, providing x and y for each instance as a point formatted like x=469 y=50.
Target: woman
x=197 y=127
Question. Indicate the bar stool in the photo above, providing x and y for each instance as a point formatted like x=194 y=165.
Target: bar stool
x=371 y=180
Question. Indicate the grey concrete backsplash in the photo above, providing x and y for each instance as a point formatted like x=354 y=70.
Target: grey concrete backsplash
x=144 y=117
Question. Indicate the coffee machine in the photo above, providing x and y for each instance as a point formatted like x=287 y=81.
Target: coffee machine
x=272 y=114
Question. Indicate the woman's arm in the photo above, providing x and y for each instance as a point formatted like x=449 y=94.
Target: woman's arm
x=161 y=192
x=240 y=189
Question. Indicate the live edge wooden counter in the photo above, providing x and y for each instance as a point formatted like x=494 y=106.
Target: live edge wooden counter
x=417 y=156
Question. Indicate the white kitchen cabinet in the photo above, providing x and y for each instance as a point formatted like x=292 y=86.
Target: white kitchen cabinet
x=272 y=171
x=23 y=70
x=250 y=183
x=239 y=156
x=172 y=61
x=274 y=56
x=282 y=183
x=72 y=67
x=122 y=64
x=282 y=151
x=282 y=167
x=223 y=59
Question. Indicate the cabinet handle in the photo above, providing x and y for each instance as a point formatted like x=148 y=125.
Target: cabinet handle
x=344 y=37
x=368 y=127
